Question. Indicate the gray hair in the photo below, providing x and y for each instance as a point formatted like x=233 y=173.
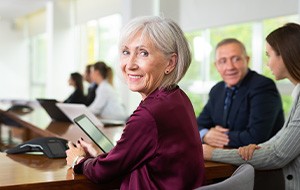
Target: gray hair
x=232 y=41
x=167 y=36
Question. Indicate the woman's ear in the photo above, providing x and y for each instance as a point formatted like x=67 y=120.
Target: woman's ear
x=171 y=64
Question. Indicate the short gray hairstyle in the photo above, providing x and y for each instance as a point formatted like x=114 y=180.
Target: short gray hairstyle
x=167 y=36
x=232 y=41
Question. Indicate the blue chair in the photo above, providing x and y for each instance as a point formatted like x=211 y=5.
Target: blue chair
x=241 y=179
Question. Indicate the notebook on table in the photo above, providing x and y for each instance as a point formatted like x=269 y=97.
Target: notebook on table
x=95 y=134
x=53 y=111
x=74 y=110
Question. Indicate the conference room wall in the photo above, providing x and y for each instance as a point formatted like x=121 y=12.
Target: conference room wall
x=190 y=14
x=13 y=62
x=201 y=14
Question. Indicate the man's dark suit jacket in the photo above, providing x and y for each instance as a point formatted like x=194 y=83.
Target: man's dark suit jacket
x=256 y=111
x=91 y=94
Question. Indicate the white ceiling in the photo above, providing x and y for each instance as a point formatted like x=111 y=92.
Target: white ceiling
x=10 y=9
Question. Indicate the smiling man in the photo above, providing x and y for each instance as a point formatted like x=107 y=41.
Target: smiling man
x=245 y=108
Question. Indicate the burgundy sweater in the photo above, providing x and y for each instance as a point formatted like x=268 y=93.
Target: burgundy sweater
x=160 y=147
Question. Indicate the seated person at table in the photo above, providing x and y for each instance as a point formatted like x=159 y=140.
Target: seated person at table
x=77 y=96
x=159 y=147
x=106 y=104
x=281 y=152
x=91 y=93
x=242 y=109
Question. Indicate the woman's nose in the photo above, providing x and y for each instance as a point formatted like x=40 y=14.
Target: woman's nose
x=132 y=62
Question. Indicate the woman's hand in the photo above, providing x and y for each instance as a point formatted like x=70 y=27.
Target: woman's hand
x=73 y=152
x=89 y=148
x=207 y=151
x=246 y=152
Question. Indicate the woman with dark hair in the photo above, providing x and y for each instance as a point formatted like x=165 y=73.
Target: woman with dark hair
x=282 y=152
x=106 y=104
x=77 y=96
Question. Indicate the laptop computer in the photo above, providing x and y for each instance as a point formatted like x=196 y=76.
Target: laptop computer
x=53 y=111
x=92 y=131
x=74 y=110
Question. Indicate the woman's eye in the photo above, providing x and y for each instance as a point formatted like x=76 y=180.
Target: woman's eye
x=124 y=52
x=267 y=54
x=144 y=53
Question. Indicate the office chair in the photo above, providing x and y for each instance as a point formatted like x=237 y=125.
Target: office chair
x=241 y=179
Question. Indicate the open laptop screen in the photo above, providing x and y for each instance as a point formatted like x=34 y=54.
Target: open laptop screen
x=53 y=111
x=94 y=133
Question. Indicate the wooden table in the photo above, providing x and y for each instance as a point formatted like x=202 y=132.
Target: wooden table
x=38 y=123
x=26 y=171
x=215 y=170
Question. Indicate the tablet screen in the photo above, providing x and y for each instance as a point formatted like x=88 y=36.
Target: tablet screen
x=94 y=133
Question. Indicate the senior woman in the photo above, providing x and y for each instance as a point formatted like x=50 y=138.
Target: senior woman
x=159 y=147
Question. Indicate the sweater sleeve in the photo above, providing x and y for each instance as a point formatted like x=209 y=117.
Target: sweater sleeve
x=284 y=148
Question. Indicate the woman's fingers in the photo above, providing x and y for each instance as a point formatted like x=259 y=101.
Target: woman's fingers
x=246 y=152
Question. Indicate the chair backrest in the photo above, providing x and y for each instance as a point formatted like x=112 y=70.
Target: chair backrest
x=241 y=179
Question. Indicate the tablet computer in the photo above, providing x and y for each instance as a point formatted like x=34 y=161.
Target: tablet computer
x=94 y=133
